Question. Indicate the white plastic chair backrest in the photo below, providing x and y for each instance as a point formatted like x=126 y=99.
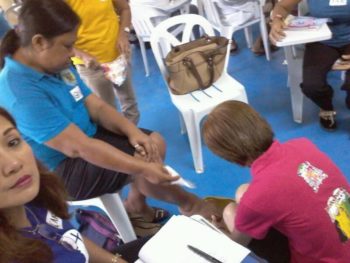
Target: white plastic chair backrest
x=142 y=19
x=209 y=10
x=11 y=14
x=162 y=39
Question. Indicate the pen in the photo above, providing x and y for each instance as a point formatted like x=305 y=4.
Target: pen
x=204 y=254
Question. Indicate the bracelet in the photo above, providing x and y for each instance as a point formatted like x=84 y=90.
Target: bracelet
x=273 y=17
x=116 y=257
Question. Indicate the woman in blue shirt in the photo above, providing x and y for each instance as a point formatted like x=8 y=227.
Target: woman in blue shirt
x=86 y=141
x=34 y=226
x=320 y=56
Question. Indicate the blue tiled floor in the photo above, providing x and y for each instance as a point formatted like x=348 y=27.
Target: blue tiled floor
x=265 y=83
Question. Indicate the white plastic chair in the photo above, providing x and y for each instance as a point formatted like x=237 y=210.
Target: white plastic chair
x=113 y=206
x=210 y=10
x=144 y=18
x=194 y=106
x=11 y=13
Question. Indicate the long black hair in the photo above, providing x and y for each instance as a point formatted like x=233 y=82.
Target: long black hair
x=52 y=195
x=49 y=18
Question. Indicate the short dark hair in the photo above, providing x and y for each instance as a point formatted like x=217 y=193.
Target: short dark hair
x=50 y=18
x=237 y=133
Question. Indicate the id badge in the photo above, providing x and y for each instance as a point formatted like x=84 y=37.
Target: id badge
x=338 y=2
x=76 y=93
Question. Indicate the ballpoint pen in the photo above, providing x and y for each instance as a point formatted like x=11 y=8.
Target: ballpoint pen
x=204 y=254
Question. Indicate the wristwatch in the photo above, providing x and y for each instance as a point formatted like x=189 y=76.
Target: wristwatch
x=127 y=29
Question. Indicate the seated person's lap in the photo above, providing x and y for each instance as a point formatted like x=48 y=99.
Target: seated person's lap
x=85 y=180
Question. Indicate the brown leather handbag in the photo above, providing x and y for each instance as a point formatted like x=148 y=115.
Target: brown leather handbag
x=196 y=64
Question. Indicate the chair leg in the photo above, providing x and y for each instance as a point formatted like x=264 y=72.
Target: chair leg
x=144 y=55
x=297 y=98
x=194 y=137
x=118 y=215
x=343 y=75
x=248 y=36
x=265 y=38
x=182 y=124
x=227 y=32
x=294 y=79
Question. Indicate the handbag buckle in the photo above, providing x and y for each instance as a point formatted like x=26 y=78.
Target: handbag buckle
x=210 y=62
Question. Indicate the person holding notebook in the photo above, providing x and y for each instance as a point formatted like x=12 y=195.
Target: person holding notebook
x=319 y=57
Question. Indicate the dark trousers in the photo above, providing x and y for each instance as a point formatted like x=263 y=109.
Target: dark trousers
x=318 y=61
x=274 y=247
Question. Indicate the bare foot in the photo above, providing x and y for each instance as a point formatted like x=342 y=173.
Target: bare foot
x=207 y=209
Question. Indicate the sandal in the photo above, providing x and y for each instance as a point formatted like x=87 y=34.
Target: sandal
x=342 y=63
x=159 y=216
x=233 y=47
x=144 y=229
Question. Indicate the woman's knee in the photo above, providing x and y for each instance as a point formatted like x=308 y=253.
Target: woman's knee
x=159 y=141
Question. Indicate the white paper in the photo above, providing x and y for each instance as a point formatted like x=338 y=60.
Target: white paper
x=170 y=243
x=181 y=181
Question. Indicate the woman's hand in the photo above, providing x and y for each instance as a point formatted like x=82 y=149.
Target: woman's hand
x=155 y=173
x=145 y=147
x=277 y=29
x=123 y=44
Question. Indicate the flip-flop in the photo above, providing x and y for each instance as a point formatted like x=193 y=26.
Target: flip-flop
x=159 y=216
x=342 y=63
x=144 y=229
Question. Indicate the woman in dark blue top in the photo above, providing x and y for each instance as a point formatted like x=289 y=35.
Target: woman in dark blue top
x=320 y=56
x=34 y=226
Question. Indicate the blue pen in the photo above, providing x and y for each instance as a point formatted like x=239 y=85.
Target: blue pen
x=204 y=254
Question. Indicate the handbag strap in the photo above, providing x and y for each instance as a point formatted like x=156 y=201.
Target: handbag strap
x=188 y=62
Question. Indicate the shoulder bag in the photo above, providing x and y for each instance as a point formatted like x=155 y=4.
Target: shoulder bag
x=196 y=64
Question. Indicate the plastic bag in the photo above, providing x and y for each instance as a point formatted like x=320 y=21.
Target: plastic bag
x=116 y=71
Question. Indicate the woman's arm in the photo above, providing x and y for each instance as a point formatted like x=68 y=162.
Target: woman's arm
x=281 y=10
x=74 y=143
x=124 y=13
x=229 y=215
x=107 y=117
x=99 y=255
x=284 y=7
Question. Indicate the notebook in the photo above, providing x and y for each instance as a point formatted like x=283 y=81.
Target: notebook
x=170 y=244
x=303 y=30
